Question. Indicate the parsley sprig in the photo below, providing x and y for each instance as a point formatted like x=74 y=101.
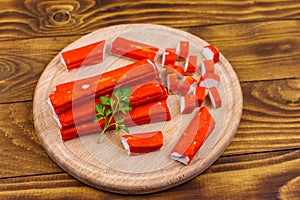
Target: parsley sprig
x=108 y=108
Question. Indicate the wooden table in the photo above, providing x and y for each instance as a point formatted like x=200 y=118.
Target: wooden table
x=261 y=39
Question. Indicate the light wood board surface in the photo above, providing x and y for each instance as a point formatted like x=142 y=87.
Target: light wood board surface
x=106 y=165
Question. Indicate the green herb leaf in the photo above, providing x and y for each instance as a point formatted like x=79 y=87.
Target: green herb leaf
x=100 y=109
x=126 y=92
x=98 y=118
x=117 y=93
x=108 y=112
x=117 y=128
x=120 y=119
x=105 y=100
x=125 y=128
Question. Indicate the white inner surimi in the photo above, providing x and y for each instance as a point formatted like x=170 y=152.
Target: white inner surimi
x=54 y=114
x=178 y=157
x=85 y=86
x=182 y=104
x=62 y=60
x=125 y=144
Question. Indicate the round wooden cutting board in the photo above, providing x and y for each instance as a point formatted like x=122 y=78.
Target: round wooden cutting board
x=107 y=166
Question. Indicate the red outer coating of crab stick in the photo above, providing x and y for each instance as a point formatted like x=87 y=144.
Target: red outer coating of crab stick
x=170 y=69
x=83 y=56
x=141 y=94
x=190 y=65
x=207 y=66
x=187 y=104
x=193 y=137
x=209 y=80
x=141 y=143
x=188 y=86
x=200 y=93
x=211 y=53
x=214 y=97
x=172 y=83
x=182 y=50
x=144 y=114
x=74 y=92
x=133 y=50
x=169 y=57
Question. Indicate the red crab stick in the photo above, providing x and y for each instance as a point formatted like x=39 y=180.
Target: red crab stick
x=81 y=90
x=187 y=86
x=141 y=94
x=144 y=114
x=211 y=53
x=187 y=104
x=182 y=50
x=207 y=66
x=133 y=50
x=193 y=137
x=190 y=65
x=141 y=143
x=215 y=97
x=170 y=69
x=169 y=56
x=83 y=56
x=172 y=83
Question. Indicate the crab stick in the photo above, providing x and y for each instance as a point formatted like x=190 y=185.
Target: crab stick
x=207 y=66
x=172 y=83
x=141 y=94
x=188 y=86
x=209 y=80
x=200 y=93
x=83 y=56
x=190 y=65
x=170 y=69
x=133 y=50
x=187 y=104
x=182 y=50
x=76 y=92
x=140 y=143
x=143 y=114
x=169 y=57
x=214 y=97
x=193 y=136
x=211 y=53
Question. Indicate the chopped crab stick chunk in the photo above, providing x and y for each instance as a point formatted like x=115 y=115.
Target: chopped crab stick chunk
x=193 y=137
x=172 y=83
x=211 y=53
x=140 y=143
x=169 y=57
x=188 y=86
x=170 y=69
x=207 y=66
x=182 y=50
x=190 y=65
x=133 y=50
x=209 y=80
x=83 y=56
x=187 y=104
x=214 y=97
x=200 y=93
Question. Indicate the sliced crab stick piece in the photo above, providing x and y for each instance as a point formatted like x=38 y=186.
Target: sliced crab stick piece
x=215 y=97
x=207 y=66
x=144 y=114
x=182 y=50
x=140 y=143
x=74 y=92
x=187 y=104
x=211 y=53
x=169 y=57
x=190 y=66
x=141 y=94
x=188 y=86
x=83 y=56
x=170 y=69
x=209 y=80
x=133 y=50
x=200 y=93
x=172 y=83
x=193 y=137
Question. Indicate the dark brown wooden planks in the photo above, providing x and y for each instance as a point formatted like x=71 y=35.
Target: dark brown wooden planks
x=273 y=53
x=34 y=18
x=255 y=176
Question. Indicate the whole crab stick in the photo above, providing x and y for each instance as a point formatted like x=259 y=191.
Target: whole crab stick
x=140 y=143
x=141 y=94
x=133 y=50
x=83 y=56
x=144 y=114
x=74 y=92
x=193 y=137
